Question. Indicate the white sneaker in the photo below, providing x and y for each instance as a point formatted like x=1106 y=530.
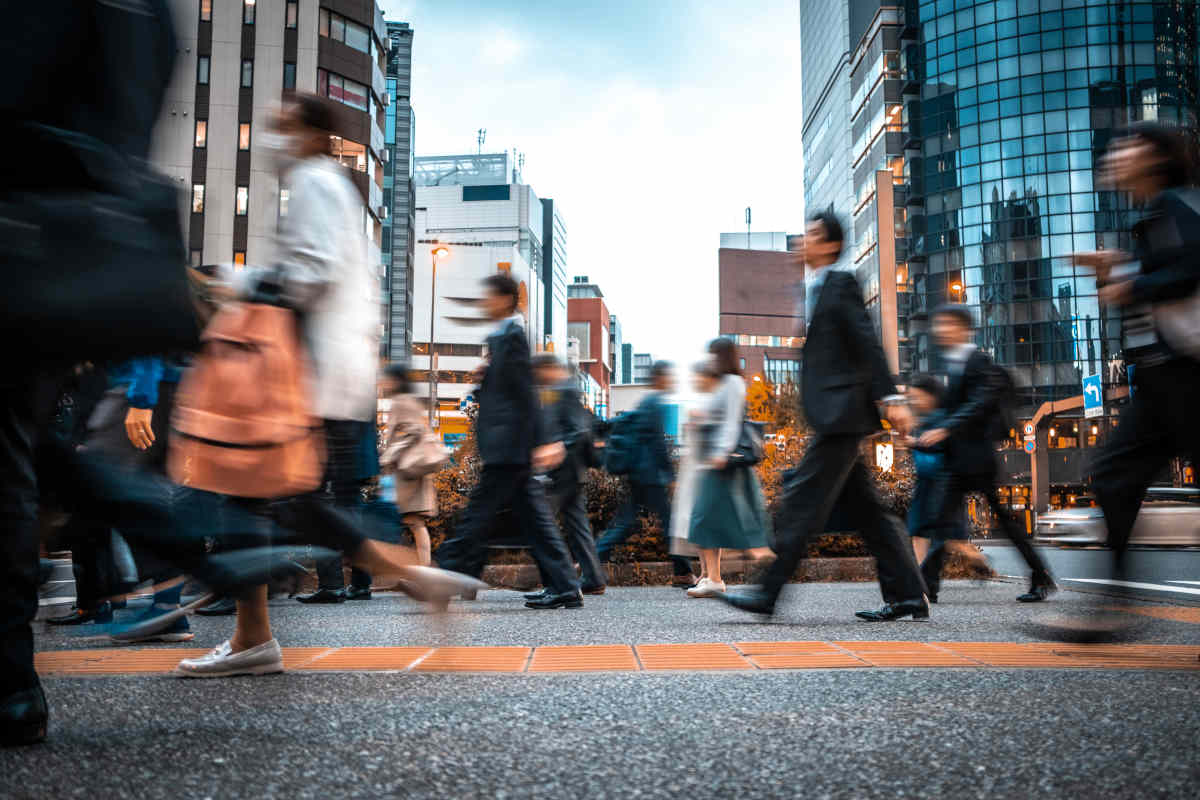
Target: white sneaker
x=222 y=662
x=707 y=588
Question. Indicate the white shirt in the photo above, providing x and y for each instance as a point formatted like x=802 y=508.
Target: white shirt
x=957 y=356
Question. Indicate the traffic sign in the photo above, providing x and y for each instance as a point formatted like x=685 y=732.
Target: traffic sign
x=1093 y=396
x=1030 y=446
x=1029 y=429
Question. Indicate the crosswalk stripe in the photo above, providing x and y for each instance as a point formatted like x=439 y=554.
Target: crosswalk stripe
x=1154 y=587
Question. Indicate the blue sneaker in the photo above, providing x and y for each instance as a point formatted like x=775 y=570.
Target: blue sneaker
x=156 y=624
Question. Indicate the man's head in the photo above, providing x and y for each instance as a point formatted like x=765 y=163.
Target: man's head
x=823 y=239
x=549 y=369
x=662 y=376
x=951 y=325
x=924 y=394
x=307 y=122
x=797 y=251
x=395 y=378
x=501 y=294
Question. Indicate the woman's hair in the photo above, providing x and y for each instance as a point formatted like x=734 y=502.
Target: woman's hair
x=928 y=384
x=725 y=352
x=398 y=373
x=1177 y=163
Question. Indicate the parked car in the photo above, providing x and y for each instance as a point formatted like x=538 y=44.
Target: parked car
x=1169 y=518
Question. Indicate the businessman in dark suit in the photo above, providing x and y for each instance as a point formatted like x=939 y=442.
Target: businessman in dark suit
x=975 y=420
x=509 y=432
x=567 y=421
x=844 y=380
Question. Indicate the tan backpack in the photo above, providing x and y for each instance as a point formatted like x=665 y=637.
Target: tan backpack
x=243 y=423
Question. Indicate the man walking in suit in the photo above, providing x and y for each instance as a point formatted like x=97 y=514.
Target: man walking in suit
x=567 y=421
x=974 y=407
x=844 y=376
x=509 y=430
x=653 y=471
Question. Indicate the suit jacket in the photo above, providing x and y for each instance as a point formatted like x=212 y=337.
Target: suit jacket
x=974 y=415
x=564 y=419
x=653 y=466
x=509 y=424
x=844 y=373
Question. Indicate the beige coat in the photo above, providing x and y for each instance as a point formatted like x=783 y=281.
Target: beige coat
x=408 y=415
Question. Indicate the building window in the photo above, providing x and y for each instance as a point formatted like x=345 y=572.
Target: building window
x=322 y=83
x=284 y=196
x=243 y=136
x=476 y=193
x=247 y=73
x=197 y=198
x=206 y=10
x=340 y=29
x=201 y=133
x=239 y=257
x=352 y=154
x=289 y=75
x=202 y=70
x=343 y=90
x=293 y=13
x=197 y=258
x=248 y=11
x=323 y=22
x=582 y=332
x=242 y=204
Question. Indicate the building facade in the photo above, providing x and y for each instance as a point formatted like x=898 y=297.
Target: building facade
x=825 y=93
x=238 y=60
x=588 y=324
x=554 y=275
x=398 y=240
x=616 y=348
x=626 y=374
x=643 y=364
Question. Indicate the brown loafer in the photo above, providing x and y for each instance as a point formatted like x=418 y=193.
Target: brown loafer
x=594 y=589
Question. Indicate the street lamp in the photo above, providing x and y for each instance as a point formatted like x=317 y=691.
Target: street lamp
x=438 y=252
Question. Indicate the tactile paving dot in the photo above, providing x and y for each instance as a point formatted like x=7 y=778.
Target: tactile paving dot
x=475 y=659
x=584 y=658
x=365 y=659
x=690 y=657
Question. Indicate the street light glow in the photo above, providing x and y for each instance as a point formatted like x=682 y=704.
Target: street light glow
x=441 y=252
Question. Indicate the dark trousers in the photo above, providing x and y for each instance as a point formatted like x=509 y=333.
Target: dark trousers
x=510 y=486
x=570 y=500
x=832 y=472
x=949 y=495
x=1158 y=426
x=643 y=499
x=343 y=487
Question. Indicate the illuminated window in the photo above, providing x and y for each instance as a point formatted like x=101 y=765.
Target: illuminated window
x=242 y=204
x=239 y=257
x=201 y=133
x=293 y=12
x=284 y=196
x=206 y=10
x=197 y=198
x=244 y=136
x=248 y=7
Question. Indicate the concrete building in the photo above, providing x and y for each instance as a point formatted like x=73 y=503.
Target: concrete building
x=616 y=347
x=399 y=196
x=554 y=275
x=237 y=60
x=642 y=364
x=588 y=323
x=760 y=306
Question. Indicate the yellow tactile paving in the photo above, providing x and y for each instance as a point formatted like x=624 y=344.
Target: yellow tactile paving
x=655 y=657
x=1174 y=613
x=584 y=658
x=715 y=655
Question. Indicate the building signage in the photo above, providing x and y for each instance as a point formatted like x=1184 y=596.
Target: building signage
x=1093 y=396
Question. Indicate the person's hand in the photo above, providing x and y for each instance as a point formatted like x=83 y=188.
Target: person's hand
x=476 y=375
x=1101 y=261
x=137 y=427
x=548 y=456
x=718 y=462
x=933 y=437
x=900 y=418
x=1116 y=294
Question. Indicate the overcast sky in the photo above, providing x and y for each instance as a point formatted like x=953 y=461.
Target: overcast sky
x=652 y=124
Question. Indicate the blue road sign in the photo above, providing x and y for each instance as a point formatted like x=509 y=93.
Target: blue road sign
x=1093 y=396
x=1030 y=446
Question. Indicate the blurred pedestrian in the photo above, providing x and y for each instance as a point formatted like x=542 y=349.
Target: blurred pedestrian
x=407 y=425
x=566 y=420
x=508 y=429
x=976 y=406
x=728 y=512
x=845 y=375
x=650 y=476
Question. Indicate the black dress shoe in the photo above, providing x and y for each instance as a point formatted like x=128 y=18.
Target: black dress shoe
x=917 y=609
x=101 y=614
x=221 y=607
x=323 y=596
x=538 y=595
x=599 y=588
x=754 y=600
x=550 y=601
x=23 y=717
x=1042 y=587
x=357 y=592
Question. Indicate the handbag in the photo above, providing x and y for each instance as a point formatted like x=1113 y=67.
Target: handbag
x=96 y=270
x=750 y=446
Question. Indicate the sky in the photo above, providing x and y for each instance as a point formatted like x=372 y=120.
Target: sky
x=653 y=124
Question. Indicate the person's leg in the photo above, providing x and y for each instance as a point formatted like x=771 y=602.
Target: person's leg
x=920 y=547
x=623 y=524
x=810 y=492
x=657 y=502
x=1015 y=532
x=546 y=542
x=932 y=566
x=420 y=533
x=466 y=551
x=253 y=620
x=578 y=532
x=712 y=560
x=885 y=536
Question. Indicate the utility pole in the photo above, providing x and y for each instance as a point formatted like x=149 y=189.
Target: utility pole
x=748 y=228
x=480 y=138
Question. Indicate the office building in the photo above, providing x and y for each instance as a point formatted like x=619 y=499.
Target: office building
x=588 y=324
x=643 y=364
x=399 y=196
x=237 y=60
x=825 y=94
x=626 y=374
x=616 y=347
x=554 y=275
x=761 y=309
x=475 y=212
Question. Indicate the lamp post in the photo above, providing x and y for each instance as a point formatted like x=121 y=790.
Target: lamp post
x=438 y=252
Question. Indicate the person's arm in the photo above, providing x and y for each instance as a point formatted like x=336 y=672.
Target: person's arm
x=1179 y=275
x=146 y=373
x=985 y=385
x=733 y=398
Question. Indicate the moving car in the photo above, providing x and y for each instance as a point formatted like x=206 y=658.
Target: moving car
x=1169 y=518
